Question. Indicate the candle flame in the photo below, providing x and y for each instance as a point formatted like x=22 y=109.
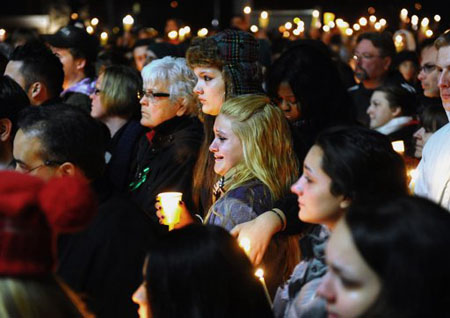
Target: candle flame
x=202 y=32
x=128 y=20
x=247 y=10
x=259 y=273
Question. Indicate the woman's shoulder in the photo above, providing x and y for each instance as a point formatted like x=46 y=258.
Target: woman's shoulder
x=251 y=189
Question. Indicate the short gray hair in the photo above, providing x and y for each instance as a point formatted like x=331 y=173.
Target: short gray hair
x=174 y=73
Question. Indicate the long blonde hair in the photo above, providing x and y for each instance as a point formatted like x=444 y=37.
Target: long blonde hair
x=266 y=143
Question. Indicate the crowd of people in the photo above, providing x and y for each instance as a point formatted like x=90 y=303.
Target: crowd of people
x=289 y=149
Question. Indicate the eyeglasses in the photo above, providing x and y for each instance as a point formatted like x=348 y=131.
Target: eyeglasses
x=152 y=96
x=428 y=68
x=47 y=163
x=365 y=56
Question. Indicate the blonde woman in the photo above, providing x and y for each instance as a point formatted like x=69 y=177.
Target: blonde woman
x=254 y=158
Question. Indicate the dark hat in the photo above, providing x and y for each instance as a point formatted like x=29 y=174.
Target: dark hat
x=73 y=37
x=239 y=52
x=32 y=213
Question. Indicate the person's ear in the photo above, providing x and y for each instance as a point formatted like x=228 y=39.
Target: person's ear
x=66 y=169
x=36 y=89
x=80 y=63
x=345 y=204
x=182 y=108
x=5 y=129
x=397 y=111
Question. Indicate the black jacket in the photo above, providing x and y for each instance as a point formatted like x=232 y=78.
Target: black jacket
x=166 y=163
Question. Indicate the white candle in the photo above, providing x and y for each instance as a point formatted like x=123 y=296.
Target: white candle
x=171 y=211
x=399 y=146
x=260 y=274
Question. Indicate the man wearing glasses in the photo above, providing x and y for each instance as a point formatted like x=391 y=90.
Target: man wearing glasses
x=428 y=75
x=98 y=262
x=373 y=57
x=433 y=180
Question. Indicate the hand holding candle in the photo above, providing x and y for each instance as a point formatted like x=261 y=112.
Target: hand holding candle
x=170 y=209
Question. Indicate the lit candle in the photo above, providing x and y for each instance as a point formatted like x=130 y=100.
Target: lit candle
x=404 y=15
x=412 y=174
x=398 y=42
x=128 y=22
x=398 y=146
x=2 y=35
x=315 y=19
x=90 y=29
x=202 y=32
x=264 y=19
x=260 y=274
x=328 y=17
x=362 y=21
x=103 y=38
x=172 y=35
x=170 y=209
x=247 y=10
x=94 y=22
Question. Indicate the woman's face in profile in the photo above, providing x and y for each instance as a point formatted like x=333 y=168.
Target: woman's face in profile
x=210 y=89
x=350 y=286
x=379 y=110
x=421 y=136
x=316 y=202
x=97 y=109
x=140 y=297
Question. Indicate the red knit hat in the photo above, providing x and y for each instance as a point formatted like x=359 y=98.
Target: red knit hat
x=32 y=213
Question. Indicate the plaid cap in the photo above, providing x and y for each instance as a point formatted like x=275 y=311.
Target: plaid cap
x=32 y=213
x=236 y=53
x=239 y=52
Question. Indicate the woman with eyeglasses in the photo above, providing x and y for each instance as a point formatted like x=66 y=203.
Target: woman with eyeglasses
x=167 y=152
x=115 y=102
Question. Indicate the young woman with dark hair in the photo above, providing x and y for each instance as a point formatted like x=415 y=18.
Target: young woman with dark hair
x=346 y=165
x=200 y=271
x=388 y=260
x=432 y=118
x=305 y=83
